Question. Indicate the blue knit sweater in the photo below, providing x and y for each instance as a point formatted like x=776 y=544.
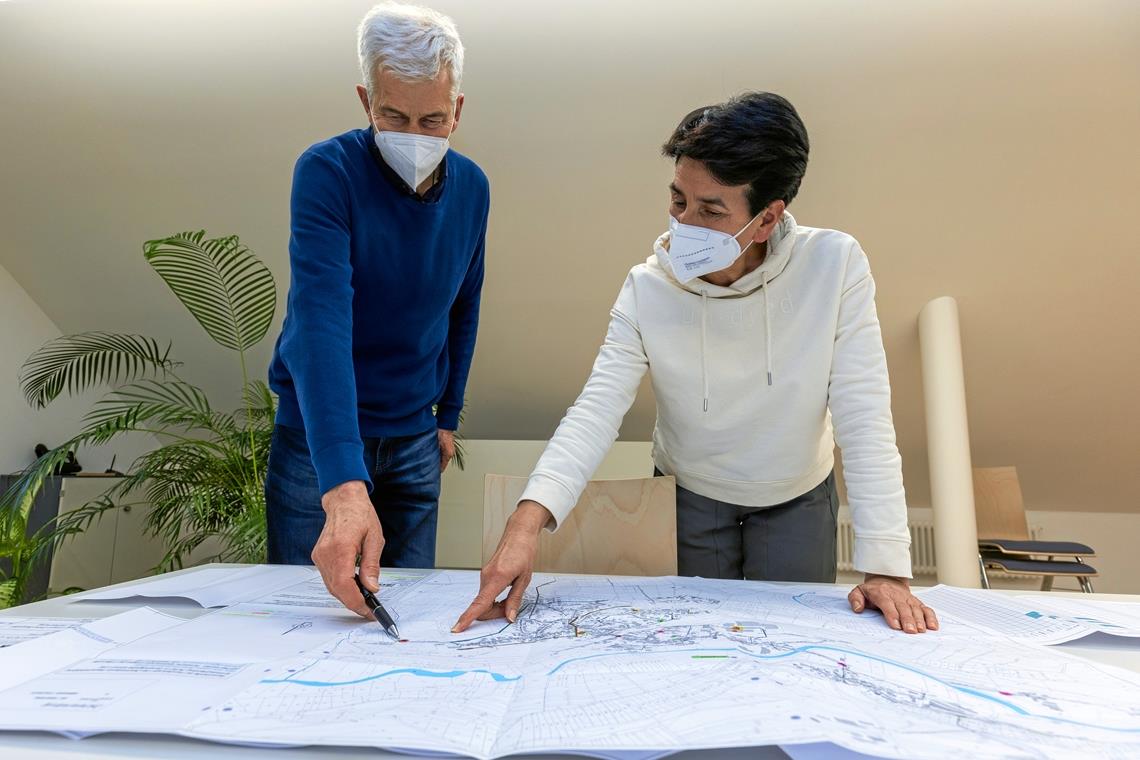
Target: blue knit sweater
x=383 y=302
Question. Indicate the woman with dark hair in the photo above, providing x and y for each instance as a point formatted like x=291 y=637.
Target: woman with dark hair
x=765 y=352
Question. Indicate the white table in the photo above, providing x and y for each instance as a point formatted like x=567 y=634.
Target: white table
x=45 y=746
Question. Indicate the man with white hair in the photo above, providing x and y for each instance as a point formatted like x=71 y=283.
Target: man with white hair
x=386 y=252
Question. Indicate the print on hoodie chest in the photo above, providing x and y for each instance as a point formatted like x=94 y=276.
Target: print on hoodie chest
x=751 y=315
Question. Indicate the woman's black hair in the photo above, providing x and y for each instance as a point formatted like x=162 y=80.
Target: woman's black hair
x=756 y=139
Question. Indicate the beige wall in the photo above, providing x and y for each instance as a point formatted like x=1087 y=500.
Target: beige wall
x=977 y=149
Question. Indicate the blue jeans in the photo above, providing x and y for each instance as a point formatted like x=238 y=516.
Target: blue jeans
x=405 y=477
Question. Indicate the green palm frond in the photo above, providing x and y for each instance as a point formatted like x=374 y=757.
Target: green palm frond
x=198 y=492
x=259 y=401
x=76 y=363
x=223 y=284
x=150 y=404
x=9 y=593
x=244 y=539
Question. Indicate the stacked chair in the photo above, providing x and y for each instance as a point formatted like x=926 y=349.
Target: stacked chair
x=1003 y=535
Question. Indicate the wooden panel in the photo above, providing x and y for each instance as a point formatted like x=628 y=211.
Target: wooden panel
x=458 y=542
x=998 y=508
x=619 y=527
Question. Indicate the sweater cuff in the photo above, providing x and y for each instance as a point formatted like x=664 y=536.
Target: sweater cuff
x=340 y=463
x=883 y=557
x=551 y=494
x=447 y=417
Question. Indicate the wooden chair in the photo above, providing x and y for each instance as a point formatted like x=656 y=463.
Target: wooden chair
x=619 y=527
x=1003 y=535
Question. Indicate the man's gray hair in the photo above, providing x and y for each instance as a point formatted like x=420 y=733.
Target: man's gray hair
x=412 y=42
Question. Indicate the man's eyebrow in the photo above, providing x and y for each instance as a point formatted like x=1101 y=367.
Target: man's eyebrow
x=435 y=115
x=712 y=201
x=392 y=111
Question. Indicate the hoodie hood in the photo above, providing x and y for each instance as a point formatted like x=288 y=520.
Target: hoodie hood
x=779 y=253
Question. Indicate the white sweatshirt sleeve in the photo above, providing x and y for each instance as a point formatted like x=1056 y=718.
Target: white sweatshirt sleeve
x=591 y=425
x=859 y=397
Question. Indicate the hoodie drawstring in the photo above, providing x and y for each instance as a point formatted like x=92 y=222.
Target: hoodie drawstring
x=704 y=338
x=767 y=330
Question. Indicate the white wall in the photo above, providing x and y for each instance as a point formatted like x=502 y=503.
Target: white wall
x=24 y=327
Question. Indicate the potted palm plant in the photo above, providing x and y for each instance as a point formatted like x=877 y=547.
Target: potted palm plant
x=204 y=480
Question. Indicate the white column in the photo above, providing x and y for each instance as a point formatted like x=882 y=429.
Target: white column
x=948 y=444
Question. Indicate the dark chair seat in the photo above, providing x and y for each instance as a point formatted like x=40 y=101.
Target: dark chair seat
x=1008 y=546
x=1038 y=566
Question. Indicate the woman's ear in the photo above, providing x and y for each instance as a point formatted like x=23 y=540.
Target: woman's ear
x=769 y=220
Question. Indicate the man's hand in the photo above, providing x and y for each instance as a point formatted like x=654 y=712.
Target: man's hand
x=902 y=610
x=446 y=448
x=512 y=565
x=351 y=529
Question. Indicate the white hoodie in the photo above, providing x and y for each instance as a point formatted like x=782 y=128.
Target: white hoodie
x=749 y=379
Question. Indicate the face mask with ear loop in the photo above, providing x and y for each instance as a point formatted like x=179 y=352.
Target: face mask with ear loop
x=413 y=157
x=696 y=251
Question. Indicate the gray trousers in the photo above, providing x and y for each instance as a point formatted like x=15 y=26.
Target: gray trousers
x=793 y=541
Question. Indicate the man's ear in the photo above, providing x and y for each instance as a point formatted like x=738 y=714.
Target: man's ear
x=362 y=93
x=458 y=111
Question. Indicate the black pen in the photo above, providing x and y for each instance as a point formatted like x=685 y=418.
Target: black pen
x=378 y=611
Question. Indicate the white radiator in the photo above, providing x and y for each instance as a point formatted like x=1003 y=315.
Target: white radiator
x=921 y=547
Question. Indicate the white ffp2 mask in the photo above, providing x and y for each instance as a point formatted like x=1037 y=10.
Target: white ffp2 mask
x=696 y=251
x=413 y=157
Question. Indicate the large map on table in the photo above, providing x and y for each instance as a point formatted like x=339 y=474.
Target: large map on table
x=613 y=665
